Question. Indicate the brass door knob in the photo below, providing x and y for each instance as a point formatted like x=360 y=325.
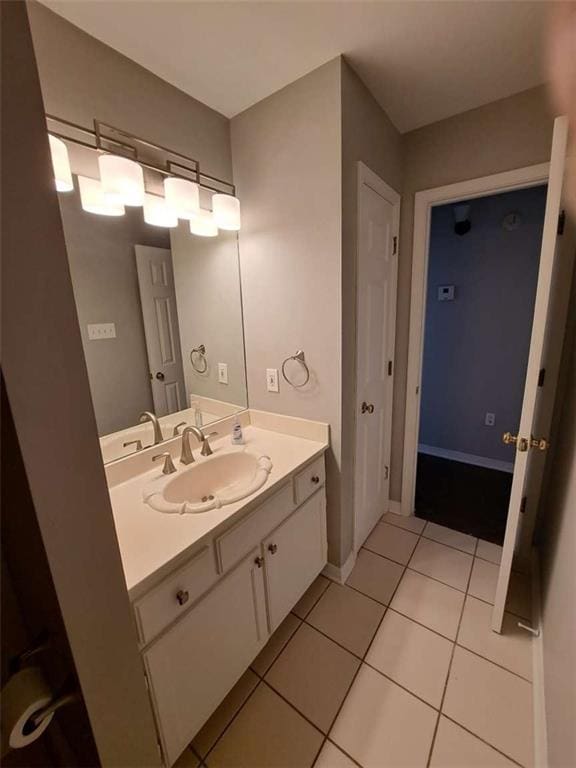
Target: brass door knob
x=520 y=442
x=273 y=548
x=259 y=561
x=367 y=408
x=541 y=444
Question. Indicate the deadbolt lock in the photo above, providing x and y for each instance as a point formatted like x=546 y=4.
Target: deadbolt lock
x=542 y=444
x=520 y=442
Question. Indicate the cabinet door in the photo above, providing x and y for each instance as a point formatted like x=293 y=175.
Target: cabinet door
x=193 y=666
x=295 y=554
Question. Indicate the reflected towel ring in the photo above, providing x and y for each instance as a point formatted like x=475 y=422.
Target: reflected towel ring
x=201 y=352
x=299 y=357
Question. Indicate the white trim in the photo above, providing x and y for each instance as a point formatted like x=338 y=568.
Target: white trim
x=367 y=176
x=519 y=178
x=538 y=690
x=339 y=573
x=395 y=507
x=467 y=458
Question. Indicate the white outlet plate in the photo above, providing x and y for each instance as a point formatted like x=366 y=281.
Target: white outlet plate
x=223 y=373
x=490 y=419
x=101 y=331
x=272 y=380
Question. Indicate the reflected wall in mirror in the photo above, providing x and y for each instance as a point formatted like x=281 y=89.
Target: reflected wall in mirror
x=147 y=297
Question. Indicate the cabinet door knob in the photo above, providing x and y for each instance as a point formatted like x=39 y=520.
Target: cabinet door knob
x=182 y=596
x=272 y=548
x=315 y=479
x=259 y=561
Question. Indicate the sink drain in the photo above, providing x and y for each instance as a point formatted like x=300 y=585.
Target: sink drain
x=208 y=498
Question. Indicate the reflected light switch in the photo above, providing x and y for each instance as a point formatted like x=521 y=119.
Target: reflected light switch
x=223 y=373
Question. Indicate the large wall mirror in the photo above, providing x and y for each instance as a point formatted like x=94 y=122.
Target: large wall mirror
x=160 y=314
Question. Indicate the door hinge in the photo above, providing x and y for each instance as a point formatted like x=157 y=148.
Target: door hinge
x=386 y=472
x=561 y=222
x=523 y=504
x=389 y=367
x=541 y=377
x=394 y=245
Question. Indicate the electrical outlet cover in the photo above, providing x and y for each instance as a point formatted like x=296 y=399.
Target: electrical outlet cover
x=272 y=380
x=223 y=373
x=490 y=419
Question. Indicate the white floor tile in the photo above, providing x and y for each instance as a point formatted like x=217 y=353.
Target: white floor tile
x=483 y=580
x=392 y=542
x=383 y=726
x=512 y=649
x=488 y=551
x=449 y=537
x=433 y=604
x=412 y=656
x=408 y=522
x=456 y=748
x=443 y=563
x=491 y=703
x=332 y=757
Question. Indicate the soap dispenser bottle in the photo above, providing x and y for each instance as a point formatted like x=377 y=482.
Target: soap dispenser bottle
x=237 y=437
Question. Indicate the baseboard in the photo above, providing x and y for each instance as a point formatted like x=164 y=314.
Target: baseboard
x=339 y=573
x=395 y=507
x=538 y=692
x=466 y=458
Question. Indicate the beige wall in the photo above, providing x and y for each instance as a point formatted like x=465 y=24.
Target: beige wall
x=286 y=152
x=506 y=134
x=369 y=136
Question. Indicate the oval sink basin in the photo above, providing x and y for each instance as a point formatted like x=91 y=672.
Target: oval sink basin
x=209 y=483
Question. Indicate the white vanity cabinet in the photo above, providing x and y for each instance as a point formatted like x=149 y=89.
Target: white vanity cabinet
x=238 y=588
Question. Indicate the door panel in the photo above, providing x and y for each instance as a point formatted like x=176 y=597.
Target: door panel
x=193 y=666
x=160 y=316
x=536 y=405
x=378 y=208
x=295 y=554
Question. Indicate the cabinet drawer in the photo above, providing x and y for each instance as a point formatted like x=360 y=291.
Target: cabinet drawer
x=309 y=480
x=233 y=545
x=175 y=594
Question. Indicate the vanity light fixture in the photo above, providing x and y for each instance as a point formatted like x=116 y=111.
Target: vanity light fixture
x=158 y=213
x=122 y=180
x=93 y=199
x=226 y=210
x=203 y=224
x=61 y=165
x=182 y=197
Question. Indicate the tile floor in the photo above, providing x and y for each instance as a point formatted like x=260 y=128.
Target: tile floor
x=397 y=668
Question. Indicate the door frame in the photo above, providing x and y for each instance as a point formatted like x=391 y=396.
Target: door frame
x=424 y=201
x=366 y=176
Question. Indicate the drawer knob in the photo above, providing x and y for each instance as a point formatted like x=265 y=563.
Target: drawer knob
x=259 y=561
x=315 y=479
x=182 y=596
x=272 y=548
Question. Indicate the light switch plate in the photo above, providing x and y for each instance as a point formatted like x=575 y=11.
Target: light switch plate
x=223 y=373
x=101 y=331
x=272 y=380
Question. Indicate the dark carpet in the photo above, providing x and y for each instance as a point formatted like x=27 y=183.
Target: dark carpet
x=463 y=497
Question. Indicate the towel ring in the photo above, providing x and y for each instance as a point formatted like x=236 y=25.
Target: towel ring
x=299 y=357
x=201 y=352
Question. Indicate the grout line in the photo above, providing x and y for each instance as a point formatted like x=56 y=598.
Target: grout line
x=449 y=669
x=495 y=663
x=480 y=738
x=451 y=546
x=320 y=596
x=487 y=602
x=294 y=707
x=337 y=746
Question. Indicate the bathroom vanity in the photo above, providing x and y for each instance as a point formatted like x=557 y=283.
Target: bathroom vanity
x=208 y=589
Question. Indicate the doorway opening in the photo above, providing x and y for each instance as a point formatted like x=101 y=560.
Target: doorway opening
x=482 y=275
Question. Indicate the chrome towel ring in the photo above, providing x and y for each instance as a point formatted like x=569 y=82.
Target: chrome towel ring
x=200 y=358
x=299 y=357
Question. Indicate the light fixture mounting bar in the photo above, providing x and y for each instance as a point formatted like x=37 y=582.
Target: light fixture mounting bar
x=167 y=162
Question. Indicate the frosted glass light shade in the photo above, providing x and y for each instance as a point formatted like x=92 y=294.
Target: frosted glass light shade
x=157 y=212
x=122 y=180
x=61 y=165
x=93 y=199
x=203 y=224
x=226 y=211
x=182 y=196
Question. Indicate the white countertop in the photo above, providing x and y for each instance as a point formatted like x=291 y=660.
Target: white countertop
x=152 y=543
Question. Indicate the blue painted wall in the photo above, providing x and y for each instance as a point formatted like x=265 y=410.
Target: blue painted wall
x=476 y=347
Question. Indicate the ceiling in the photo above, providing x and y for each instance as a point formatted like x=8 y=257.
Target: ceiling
x=422 y=60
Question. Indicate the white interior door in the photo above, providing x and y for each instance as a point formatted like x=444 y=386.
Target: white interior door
x=160 y=316
x=376 y=277
x=536 y=406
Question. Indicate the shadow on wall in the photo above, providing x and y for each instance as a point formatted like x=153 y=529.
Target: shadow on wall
x=476 y=343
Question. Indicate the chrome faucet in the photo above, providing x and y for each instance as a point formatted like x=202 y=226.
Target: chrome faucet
x=153 y=419
x=168 y=467
x=187 y=457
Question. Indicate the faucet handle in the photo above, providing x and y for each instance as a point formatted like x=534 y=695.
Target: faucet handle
x=206 y=450
x=176 y=430
x=137 y=443
x=168 y=467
